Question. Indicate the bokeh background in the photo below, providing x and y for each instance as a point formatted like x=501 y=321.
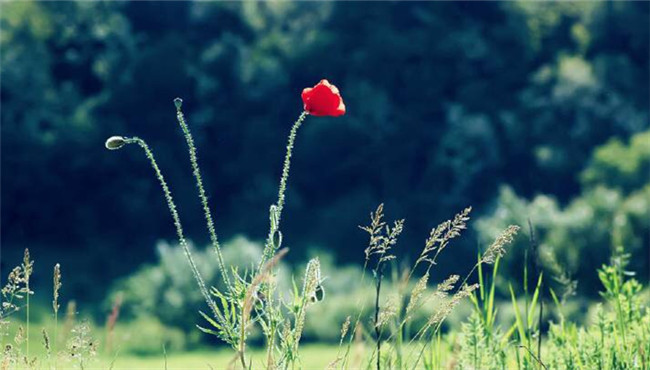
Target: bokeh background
x=523 y=110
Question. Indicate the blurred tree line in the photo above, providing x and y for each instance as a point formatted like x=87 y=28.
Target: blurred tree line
x=447 y=102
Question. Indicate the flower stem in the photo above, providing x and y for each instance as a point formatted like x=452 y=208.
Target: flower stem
x=202 y=194
x=287 y=160
x=273 y=241
x=177 y=223
x=270 y=247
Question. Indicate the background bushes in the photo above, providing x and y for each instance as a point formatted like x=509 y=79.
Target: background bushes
x=449 y=105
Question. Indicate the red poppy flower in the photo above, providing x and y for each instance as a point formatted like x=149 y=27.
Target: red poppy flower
x=323 y=99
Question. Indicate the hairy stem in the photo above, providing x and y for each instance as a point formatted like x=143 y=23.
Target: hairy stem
x=270 y=248
x=272 y=242
x=378 y=278
x=287 y=160
x=27 y=313
x=177 y=223
x=202 y=194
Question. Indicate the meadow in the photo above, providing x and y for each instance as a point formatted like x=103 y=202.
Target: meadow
x=399 y=327
x=325 y=185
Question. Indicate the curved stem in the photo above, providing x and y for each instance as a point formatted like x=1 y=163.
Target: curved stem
x=202 y=195
x=177 y=223
x=287 y=160
x=270 y=247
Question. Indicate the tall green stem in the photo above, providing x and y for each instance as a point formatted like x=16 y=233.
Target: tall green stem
x=270 y=247
x=202 y=194
x=27 y=312
x=177 y=223
x=378 y=278
x=274 y=237
x=287 y=161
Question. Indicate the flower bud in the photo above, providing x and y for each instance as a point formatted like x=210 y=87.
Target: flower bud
x=273 y=216
x=115 y=142
x=178 y=102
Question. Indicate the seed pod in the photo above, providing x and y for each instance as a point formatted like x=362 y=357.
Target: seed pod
x=115 y=142
x=277 y=239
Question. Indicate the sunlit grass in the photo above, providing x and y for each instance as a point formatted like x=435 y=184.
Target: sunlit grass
x=314 y=356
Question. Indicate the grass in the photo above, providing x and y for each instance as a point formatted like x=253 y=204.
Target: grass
x=314 y=356
x=616 y=337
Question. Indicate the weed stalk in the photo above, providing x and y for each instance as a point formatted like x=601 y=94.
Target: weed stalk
x=178 y=102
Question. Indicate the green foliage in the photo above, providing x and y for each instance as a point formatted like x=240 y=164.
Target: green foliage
x=578 y=237
x=75 y=72
x=616 y=338
x=397 y=322
x=463 y=94
x=481 y=347
x=618 y=165
x=167 y=291
x=147 y=336
x=483 y=344
x=613 y=337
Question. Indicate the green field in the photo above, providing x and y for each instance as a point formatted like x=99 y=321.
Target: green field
x=313 y=357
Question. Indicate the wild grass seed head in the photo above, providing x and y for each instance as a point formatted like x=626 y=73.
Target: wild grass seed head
x=388 y=311
x=441 y=314
x=57 y=286
x=382 y=236
x=28 y=265
x=17 y=287
x=46 y=341
x=81 y=346
x=448 y=283
x=374 y=230
x=345 y=327
x=416 y=294
x=497 y=248
x=440 y=236
x=312 y=280
x=14 y=289
x=19 y=338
